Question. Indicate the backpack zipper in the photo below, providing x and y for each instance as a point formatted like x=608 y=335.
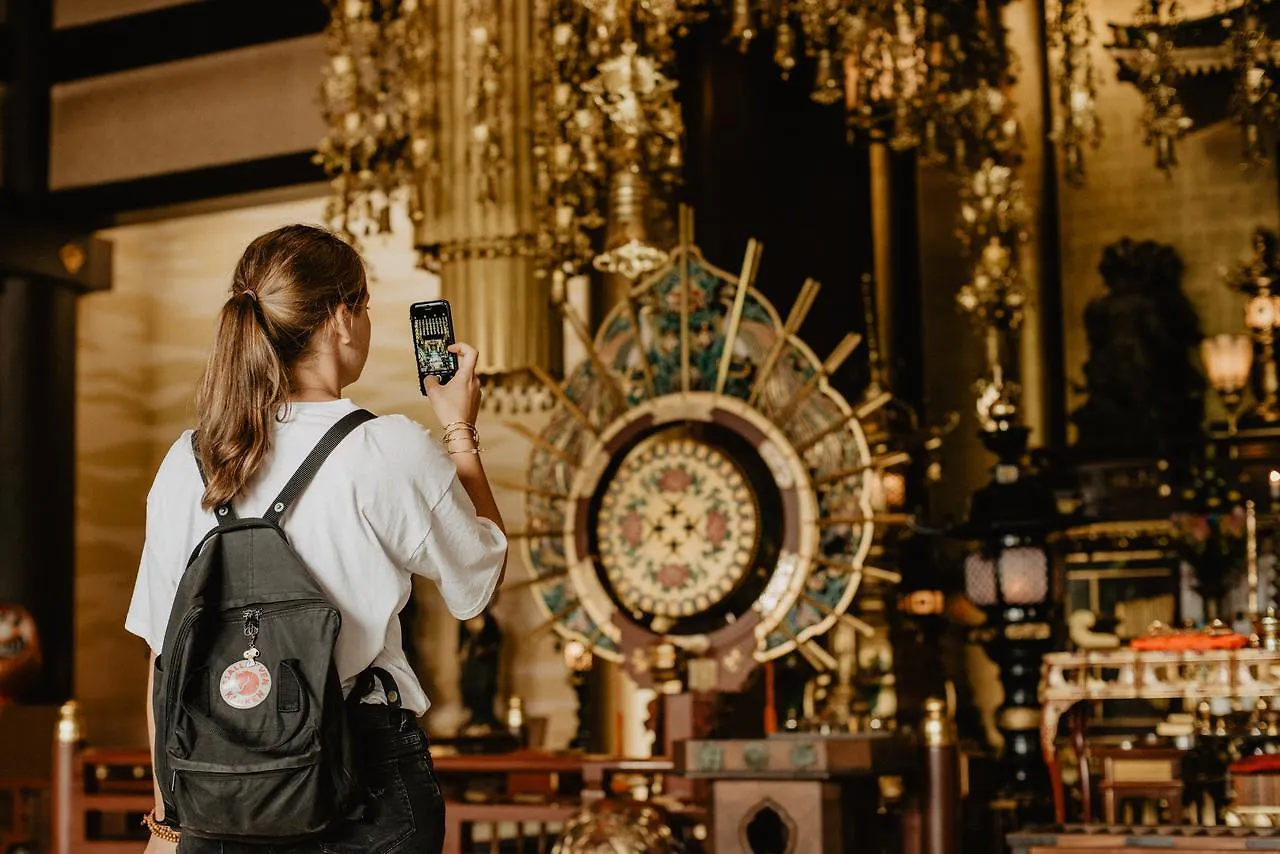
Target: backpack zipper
x=172 y=676
x=235 y=615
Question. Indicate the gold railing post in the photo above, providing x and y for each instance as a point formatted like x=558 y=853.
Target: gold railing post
x=942 y=780
x=63 y=793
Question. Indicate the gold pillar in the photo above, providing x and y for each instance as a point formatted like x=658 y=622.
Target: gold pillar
x=882 y=254
x=1027 y=41
x=480 y=218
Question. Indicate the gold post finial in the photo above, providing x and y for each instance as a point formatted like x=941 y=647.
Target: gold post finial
x=69 y=723
x=938 y=728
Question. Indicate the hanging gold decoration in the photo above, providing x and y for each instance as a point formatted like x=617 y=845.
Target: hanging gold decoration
x=379 y=104
x=993 y=229
x=1075 y=120
x=1163 y=118
x=607 y=126
x=1254 y=104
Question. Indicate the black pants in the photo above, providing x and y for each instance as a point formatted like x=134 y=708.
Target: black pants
x=404 y=812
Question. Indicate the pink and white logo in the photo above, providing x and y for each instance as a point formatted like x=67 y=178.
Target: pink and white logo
x=245 y=684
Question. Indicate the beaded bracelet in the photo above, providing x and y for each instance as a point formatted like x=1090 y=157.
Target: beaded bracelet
x=158 y=830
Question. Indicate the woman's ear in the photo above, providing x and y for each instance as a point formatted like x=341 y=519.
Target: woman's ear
x=342 y=320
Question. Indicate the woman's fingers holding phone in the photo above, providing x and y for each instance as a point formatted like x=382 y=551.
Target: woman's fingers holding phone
x=467 y=357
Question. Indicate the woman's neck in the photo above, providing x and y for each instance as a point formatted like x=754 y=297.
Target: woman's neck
x=315 y=380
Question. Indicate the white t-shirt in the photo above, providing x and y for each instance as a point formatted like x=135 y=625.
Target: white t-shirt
x=387 y=504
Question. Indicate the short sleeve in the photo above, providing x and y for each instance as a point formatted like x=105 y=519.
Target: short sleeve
x=462 y=553
x=162 y=562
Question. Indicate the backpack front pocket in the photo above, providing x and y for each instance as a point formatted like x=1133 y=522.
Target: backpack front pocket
x=281 y=798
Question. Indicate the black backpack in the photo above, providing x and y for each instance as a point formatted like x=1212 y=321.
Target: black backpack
x=252 y=737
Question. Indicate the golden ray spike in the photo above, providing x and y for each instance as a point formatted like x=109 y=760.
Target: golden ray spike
x=830 y=430
x=529 y=489
x=559 y=393
x=537 y=579
x=634 y=317
x=872 y=404
x=863 y=628
x=556 y=616
x=532 y=534
x=539 y=442
x=883 y=462
x=750 y=263
x=814 y=654
x=873 y=571
x=686 y=243
x=593 y=356
x=799 y=310
x=837 y=358
x=874 y=518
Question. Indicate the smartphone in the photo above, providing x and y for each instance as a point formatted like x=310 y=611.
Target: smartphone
x=432 y=324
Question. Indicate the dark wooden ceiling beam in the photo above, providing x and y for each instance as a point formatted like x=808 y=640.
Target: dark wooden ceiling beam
x=102 y=204
x=174 y=33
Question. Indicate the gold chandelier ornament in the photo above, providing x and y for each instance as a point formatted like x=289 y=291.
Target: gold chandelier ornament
x=1255 y=104
x=1076 y=126
x=607 y=127
x=993 y=228
x=379 y=103
x=1163 y=118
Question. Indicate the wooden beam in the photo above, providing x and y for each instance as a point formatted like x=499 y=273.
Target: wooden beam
x=179 y=32
x=102 y=204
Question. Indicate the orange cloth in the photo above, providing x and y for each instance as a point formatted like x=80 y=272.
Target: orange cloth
x=1197 y=641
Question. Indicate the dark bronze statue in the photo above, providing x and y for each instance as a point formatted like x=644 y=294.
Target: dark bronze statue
x=1146 y=397
x=479 y=648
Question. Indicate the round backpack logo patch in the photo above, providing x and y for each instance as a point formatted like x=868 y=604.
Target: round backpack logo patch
x=245 y=684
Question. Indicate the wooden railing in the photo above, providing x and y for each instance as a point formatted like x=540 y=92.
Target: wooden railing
x=510 y=802
x=25 y=801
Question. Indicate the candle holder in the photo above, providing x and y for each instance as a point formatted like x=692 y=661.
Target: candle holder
x=1228 y=360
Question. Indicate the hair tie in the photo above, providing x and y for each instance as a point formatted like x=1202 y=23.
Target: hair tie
x=250 y=293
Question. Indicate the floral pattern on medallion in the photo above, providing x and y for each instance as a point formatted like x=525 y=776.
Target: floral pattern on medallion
x=677 y=528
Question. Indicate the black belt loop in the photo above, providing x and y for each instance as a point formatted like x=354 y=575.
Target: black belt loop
x=364 y=687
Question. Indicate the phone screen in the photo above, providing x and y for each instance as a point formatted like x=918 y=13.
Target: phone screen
x=432 y=324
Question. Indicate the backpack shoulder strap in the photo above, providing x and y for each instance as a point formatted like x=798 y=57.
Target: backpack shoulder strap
x=225 y=514
x=312 y=463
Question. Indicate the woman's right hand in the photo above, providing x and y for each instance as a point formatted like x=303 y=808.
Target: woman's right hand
x=458 y=399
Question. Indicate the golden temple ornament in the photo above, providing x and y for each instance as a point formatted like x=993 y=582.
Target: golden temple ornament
x=1075 y=120
x=701 y=489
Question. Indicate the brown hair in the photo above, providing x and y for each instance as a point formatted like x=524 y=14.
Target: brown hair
x=288 y=284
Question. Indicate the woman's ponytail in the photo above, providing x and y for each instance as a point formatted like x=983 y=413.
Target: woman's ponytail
x=287 y=285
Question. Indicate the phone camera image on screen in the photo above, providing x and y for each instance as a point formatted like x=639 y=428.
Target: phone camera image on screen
x=432 y=337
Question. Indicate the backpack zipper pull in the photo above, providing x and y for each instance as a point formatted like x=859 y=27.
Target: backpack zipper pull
x=252 y=618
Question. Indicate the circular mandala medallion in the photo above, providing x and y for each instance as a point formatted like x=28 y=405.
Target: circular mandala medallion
x=677 y=528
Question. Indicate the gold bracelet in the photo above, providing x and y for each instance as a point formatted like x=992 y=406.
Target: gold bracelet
x=477 y=451
x=458 y=434
x=467 y=424
x=158 y=830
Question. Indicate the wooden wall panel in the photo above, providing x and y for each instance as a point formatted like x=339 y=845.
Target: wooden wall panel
x=73 y=13
x=222 y=108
